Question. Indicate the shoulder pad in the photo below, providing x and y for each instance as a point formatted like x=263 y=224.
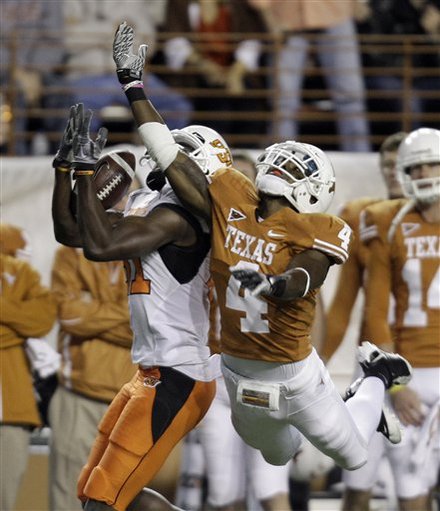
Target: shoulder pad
x=350 y=210
x=375 y=220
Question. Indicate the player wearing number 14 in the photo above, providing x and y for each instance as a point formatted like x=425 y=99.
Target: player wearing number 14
x=404 y=245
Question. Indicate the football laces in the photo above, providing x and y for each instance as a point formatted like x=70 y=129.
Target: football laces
x=108 y=188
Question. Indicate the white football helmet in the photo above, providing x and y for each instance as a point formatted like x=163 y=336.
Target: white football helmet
x=207 y=147
x=419 y=147
x=301 y=173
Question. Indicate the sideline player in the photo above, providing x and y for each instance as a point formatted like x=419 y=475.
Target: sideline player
x=28 y=310
x=267 y=261
x=351 y=279
x=404 y=244
x=351 y=274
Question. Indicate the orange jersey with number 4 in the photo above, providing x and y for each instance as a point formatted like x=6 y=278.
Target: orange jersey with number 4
x=256 y=327
x=405 y=263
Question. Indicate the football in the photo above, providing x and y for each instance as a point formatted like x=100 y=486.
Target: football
x=113 y=176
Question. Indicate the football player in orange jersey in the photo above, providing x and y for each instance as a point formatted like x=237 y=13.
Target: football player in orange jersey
x=271 y=249
x=404 y=246
x=350 y=277
x=237 y=475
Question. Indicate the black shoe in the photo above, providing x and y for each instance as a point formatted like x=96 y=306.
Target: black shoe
x=389 y=424
x=391 y=368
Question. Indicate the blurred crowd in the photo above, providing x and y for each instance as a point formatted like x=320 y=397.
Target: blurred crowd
x=268 y=69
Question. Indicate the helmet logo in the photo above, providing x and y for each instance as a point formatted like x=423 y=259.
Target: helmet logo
x=225 y=157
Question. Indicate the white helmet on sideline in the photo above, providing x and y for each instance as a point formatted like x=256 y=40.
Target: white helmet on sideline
x=301 y=173
x=419 y=147
x=207 y=147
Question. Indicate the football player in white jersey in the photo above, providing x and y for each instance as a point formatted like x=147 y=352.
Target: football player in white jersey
x=164 y=248
x=268 y=259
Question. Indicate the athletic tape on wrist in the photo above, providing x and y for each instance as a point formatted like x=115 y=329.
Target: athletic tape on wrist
x=83 y=173
x=135 y=94
x=306 y=273
x=159 y=142
x=137 y=84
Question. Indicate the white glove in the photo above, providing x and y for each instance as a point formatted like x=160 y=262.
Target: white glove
x=85 y=151
x=43 y=359
x=128 y=65
x=64 y=155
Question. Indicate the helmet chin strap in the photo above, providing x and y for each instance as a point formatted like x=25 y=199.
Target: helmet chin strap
x=275 y=187
x=271 y=185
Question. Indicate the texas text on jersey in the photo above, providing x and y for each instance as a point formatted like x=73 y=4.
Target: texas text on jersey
x=278 y=331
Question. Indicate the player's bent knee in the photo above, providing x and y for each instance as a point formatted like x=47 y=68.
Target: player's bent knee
x=352 y=467
x=277 y=459
x=349 y=459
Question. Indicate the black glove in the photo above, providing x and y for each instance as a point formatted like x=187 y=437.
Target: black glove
x=261 y=284
x=86 y=152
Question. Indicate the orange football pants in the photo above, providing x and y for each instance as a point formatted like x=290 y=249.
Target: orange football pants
x=142 y=425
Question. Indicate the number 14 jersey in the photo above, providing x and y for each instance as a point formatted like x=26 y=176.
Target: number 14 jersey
x=404 y=260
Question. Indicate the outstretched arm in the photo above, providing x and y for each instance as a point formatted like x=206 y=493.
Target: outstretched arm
x=64 y=199
x=64 y=222
x=183 y=173
x=129 y=237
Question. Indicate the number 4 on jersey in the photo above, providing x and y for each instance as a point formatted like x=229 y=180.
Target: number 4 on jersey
x=251 y=305
x=344 y=235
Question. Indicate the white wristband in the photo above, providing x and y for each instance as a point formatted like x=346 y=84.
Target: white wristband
x=159 y=142
x=306 y=273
